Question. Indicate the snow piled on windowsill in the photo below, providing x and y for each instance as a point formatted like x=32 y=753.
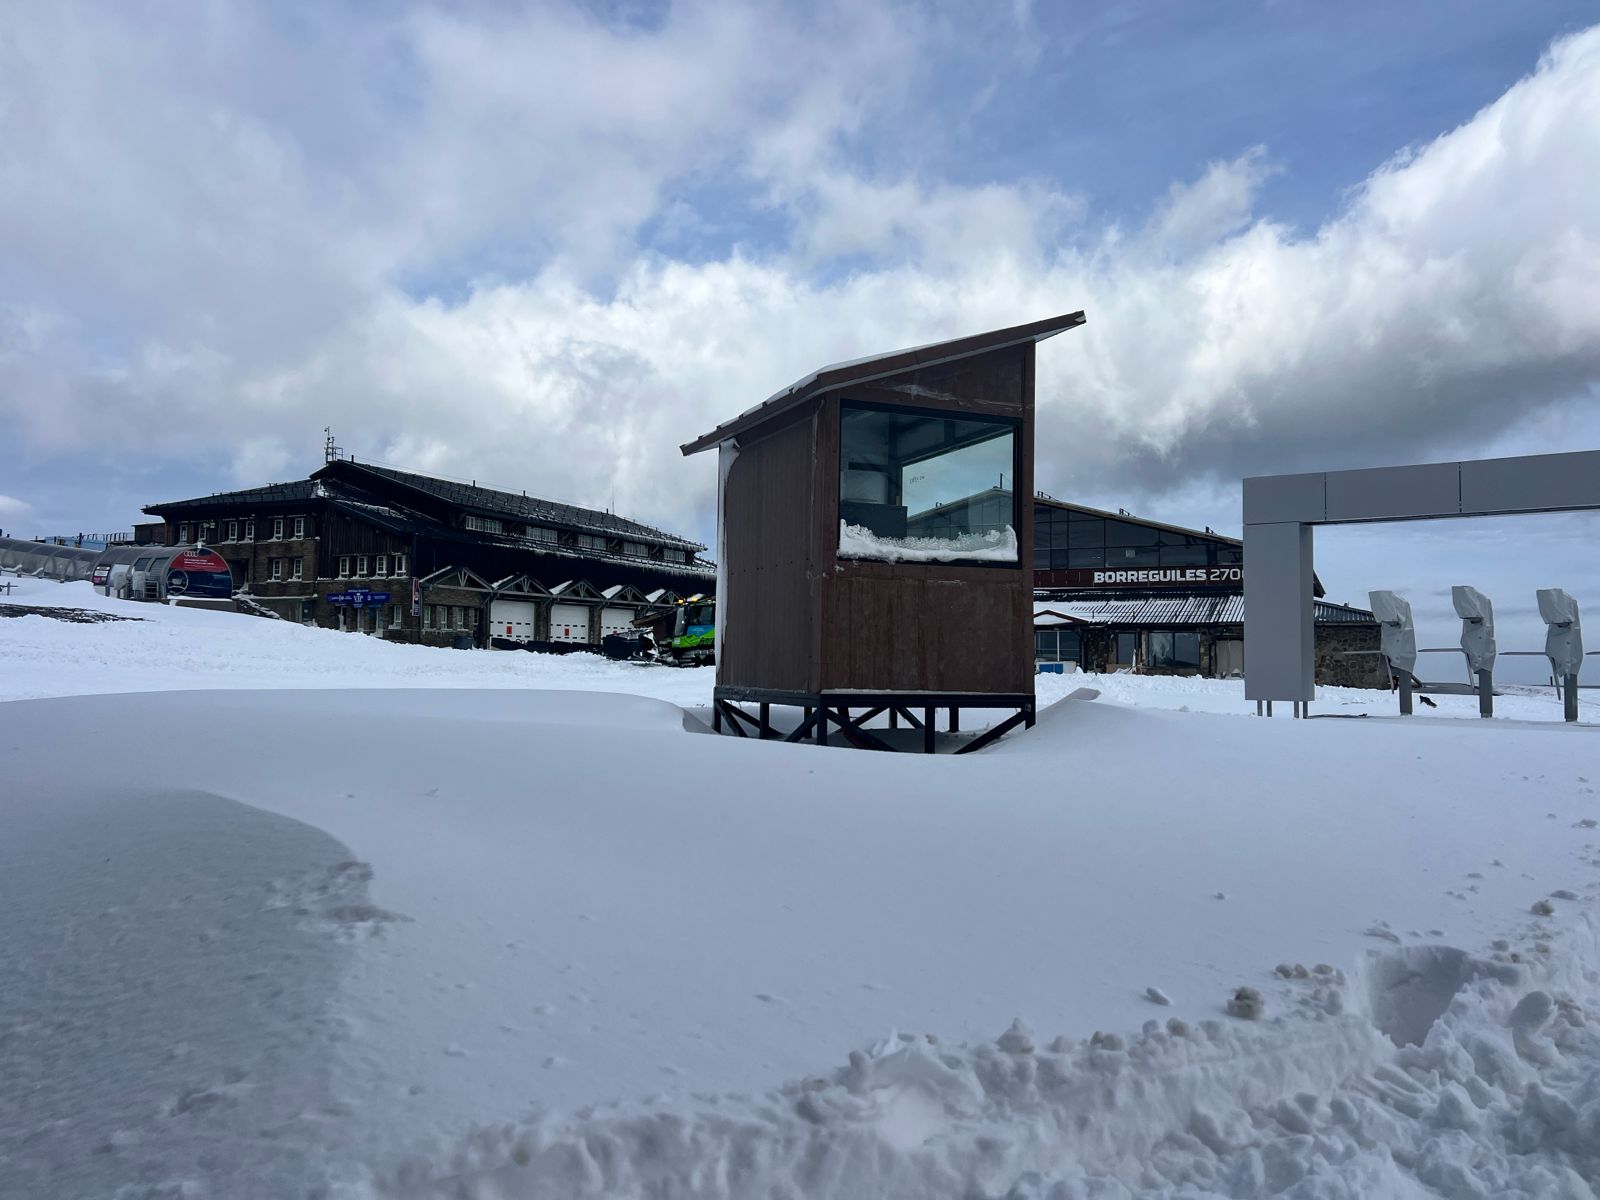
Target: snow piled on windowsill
x=998 y=545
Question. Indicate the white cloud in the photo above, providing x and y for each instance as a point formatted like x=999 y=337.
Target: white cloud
x=212 y=253
x=12 y=509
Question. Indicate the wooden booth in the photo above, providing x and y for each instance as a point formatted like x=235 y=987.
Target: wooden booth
x=875 y=542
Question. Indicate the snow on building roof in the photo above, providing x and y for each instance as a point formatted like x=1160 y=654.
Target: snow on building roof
x=495 y=502
x=1163 y=611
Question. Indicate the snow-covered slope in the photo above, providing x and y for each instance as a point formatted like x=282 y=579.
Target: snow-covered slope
x=516 y=943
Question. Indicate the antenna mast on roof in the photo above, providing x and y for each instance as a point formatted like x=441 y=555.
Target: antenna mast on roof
x=330 y=452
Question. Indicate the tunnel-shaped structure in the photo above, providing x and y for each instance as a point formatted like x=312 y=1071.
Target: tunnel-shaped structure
x=127 y=571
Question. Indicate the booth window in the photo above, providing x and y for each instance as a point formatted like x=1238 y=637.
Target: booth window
x=916 y=485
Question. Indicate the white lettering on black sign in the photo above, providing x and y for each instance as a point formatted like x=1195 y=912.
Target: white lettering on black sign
x=1173 y=575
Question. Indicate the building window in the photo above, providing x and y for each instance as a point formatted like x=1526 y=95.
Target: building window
x=296 y=565
x=634 y=548
x=361 y=565
x=275 y=569
x=299 y=528
x=588 y=541
x=450 y=616
x=277 y=529
x=233 y=531
x=427 y=616
x=394 y=616
x=399 y=564
x=1172 y=650
x=1057 y=645
x=249 y=531
x=470 y=618
x=540 y=533
x=924 y=486
x=383 y=565
x=1125 y=644
x=344 y=566
x=183 y=534
x=482 y=524
x=677 y=556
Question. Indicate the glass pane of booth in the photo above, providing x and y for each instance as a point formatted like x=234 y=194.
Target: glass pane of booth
x=920 y=486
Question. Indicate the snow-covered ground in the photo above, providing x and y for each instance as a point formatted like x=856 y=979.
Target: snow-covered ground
x=293 y=913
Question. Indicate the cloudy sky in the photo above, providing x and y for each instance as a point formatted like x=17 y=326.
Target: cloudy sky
x=541 y=245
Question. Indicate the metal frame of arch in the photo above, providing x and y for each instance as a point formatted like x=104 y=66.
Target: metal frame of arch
x=1280 y=512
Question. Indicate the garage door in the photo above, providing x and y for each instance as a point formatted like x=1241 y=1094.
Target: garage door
x=569 y=622
x=512 y=620
x=616 y=620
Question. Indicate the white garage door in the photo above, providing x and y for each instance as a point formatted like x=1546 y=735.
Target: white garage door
x=512 y=620
x=616 y=620
x=569 y=622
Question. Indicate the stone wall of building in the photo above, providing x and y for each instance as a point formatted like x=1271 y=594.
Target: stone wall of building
x=1335 y=664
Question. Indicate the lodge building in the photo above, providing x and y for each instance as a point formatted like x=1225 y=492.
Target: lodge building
x=1115 y=592
x=397 y=554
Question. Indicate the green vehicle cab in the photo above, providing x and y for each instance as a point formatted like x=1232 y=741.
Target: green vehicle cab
x=694 y=632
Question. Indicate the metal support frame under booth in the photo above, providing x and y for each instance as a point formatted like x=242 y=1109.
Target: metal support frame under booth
x=848 y=710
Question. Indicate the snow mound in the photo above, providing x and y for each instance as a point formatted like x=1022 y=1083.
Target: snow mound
x=996 y=545
x=1461 y=1081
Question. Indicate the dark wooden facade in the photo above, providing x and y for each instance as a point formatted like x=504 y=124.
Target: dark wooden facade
x=294 y=545
x=795 y=618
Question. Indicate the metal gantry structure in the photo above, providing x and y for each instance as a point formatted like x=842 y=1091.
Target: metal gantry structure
x=1280 y=512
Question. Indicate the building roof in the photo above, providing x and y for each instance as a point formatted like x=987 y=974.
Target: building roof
x=1163 y=612
x=881 y=366
x=294 y=492
x=494 y=502
x=350 y=485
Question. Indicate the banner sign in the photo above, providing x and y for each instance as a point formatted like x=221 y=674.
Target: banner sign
x=1111 y=577
x=416 y=596
x=358 y=597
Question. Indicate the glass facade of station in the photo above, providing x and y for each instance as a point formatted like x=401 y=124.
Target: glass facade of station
x=1070 y=539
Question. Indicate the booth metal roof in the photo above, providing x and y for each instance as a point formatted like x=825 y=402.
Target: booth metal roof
x=881 y=366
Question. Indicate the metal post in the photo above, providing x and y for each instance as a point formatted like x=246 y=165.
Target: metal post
x=1405 y=693
x=766 y=724
x=1258 y=708
x=1486 y=693
x=1570 y=699
x=927 y=730
x=1269 y=708
x=955 y=719
x=822 y=725
x=716 y=716
x=894 y=718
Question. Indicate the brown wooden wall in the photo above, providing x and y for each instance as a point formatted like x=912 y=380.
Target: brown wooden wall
x=913 y=626
x=768 y=613
x=795 y=617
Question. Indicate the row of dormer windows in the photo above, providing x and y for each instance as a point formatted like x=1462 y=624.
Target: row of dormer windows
x=371 y=566
x=581 y=541
x=244 y=530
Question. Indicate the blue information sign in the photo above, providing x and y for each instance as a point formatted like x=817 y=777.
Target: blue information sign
x=358 y=597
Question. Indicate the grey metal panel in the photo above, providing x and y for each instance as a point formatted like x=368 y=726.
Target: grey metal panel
x=1531 y=483
x=1279 y=593
x=1285 y=498
x=1388 y=493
